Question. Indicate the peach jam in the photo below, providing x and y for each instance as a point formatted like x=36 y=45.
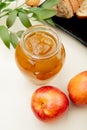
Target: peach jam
x=40 y=54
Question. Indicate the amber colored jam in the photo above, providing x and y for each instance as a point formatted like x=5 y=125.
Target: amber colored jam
x=39 y=57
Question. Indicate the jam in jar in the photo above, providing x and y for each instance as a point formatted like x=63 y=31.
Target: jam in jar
x=40 y=54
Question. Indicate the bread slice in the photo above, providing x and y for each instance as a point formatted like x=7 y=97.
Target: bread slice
x=64 y=9
x=32 y=2
x=80 y=1
x=82 y=11
x=75 y=5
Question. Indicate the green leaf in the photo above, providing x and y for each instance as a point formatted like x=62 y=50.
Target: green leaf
x=13 y=39
x=50 y=21
x=19 y=33
x=3 y=5
x=11 y=18
x=24 y=19
x=8 y=10
x=4 y=34
x=10 y=0
x=22 y=10
x=50 y=3
x=43 y=13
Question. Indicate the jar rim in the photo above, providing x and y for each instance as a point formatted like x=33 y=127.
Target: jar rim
x=43 y=28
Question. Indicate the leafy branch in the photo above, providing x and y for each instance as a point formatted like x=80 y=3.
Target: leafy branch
x=42 y=13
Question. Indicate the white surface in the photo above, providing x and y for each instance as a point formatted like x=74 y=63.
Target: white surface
x=16 y=91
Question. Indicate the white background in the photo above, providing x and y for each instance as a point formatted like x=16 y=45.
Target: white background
x=16 y=91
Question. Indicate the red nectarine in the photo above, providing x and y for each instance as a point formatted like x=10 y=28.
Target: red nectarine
x=77 y=88
x=49 y=102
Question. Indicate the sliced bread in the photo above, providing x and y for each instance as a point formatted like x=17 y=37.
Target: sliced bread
x=64 y=9
x=80 y=1
x=82 y=11
x=75 y=5
x=32 y=2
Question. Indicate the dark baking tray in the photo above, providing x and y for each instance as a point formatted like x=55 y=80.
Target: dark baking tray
x=74 y=26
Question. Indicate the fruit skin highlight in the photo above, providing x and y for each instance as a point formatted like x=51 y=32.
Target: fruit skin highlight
x=49 y=102
x=77 y=89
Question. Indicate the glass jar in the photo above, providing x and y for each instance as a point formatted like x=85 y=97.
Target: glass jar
x=40 y=54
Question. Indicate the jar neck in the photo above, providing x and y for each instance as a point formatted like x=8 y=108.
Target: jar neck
x=40 y=29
